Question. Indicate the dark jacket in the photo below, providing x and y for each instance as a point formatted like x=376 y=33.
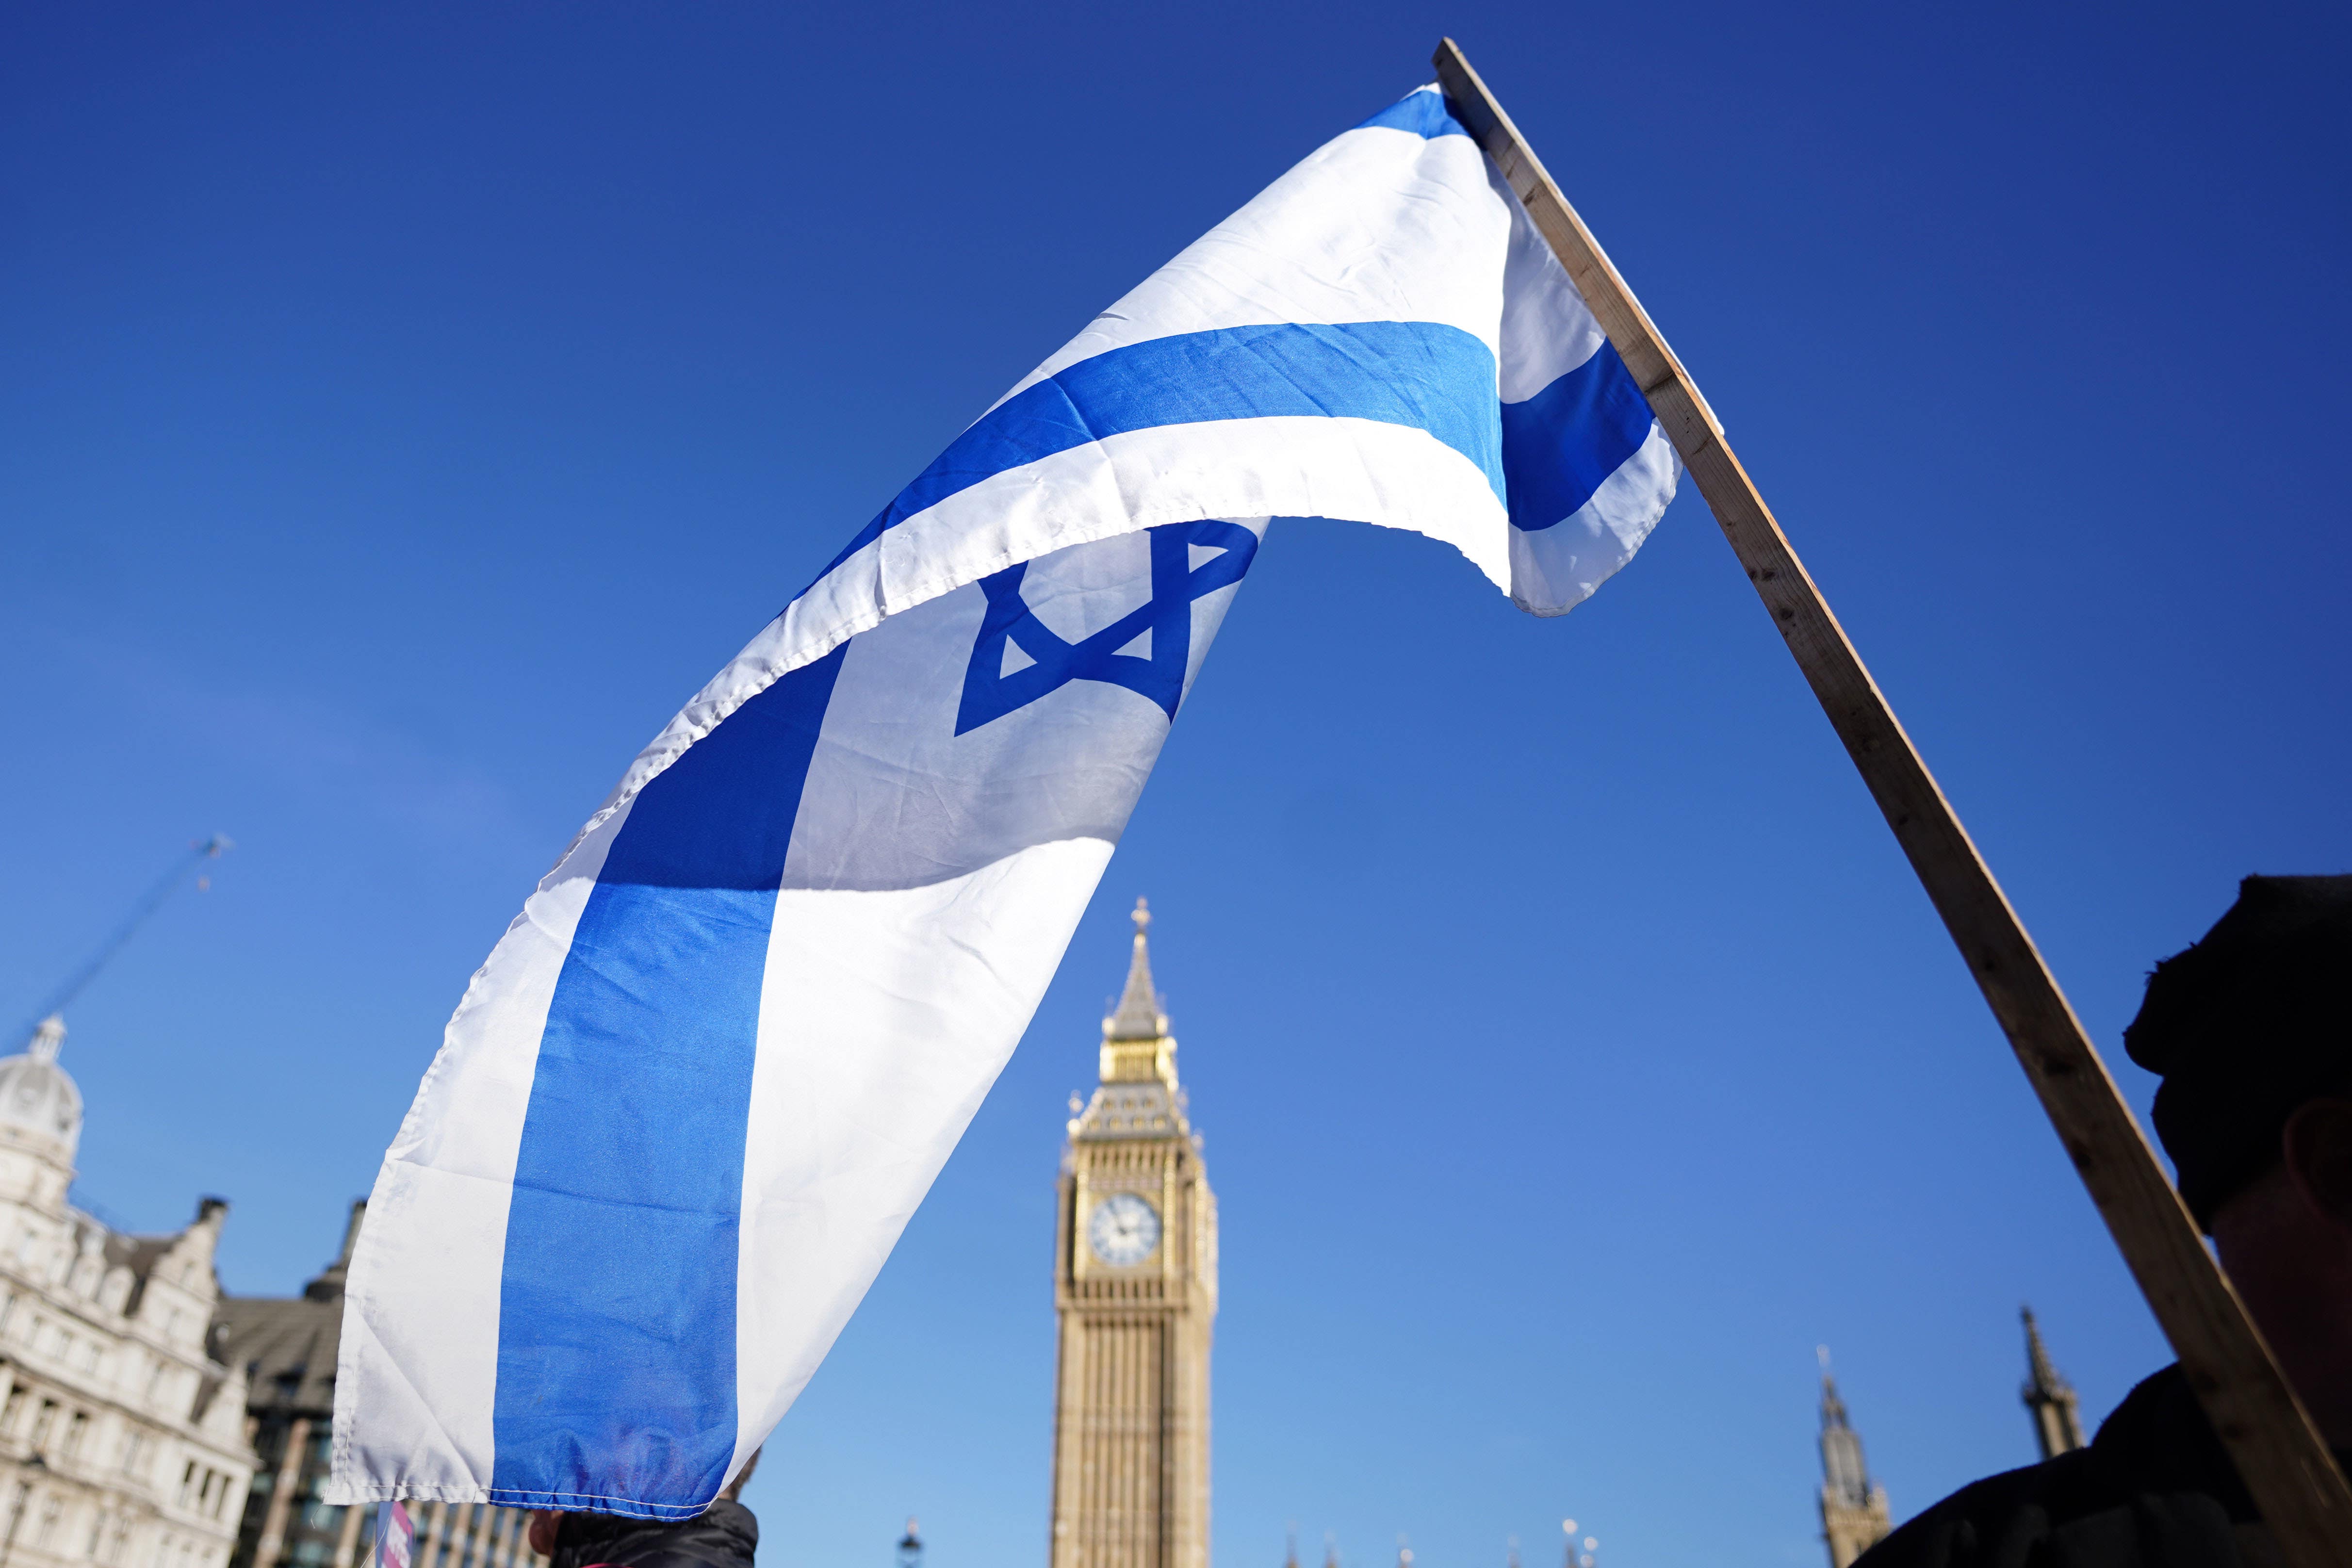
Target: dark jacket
x=2155 y=1489
x=724 y=1535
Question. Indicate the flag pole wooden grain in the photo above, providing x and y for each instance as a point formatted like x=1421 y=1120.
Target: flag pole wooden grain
x=2302 y=1495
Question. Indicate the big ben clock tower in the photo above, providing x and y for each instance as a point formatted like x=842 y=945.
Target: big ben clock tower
x=1135 y=1287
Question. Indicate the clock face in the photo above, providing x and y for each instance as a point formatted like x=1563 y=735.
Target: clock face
x=1123 y=1230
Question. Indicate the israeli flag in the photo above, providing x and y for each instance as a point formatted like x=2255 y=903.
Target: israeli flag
x=684 y=1110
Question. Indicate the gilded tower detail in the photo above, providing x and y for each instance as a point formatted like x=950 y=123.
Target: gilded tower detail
x=1135 y=1289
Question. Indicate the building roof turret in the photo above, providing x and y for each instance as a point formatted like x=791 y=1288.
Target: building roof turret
x=1853 y=1507
x=1844 y=1476
x=329 y=1284
x=2049 y=1398
x=38 y=1102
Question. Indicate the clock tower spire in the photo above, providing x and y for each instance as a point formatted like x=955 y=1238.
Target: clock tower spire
x=1135 y=1289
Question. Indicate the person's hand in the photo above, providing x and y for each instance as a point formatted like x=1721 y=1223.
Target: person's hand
x=544 y=1526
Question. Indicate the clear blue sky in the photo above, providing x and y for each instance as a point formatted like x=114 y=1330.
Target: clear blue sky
x=402 y=410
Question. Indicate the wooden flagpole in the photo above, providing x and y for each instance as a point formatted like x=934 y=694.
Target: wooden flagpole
x=2302 y=1495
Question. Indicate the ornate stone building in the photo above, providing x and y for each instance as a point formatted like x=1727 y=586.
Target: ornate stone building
x=2049 y=1399
x=121 y=1433
x=1853 y=1507
x=286 y=1349
x=1135 y=1287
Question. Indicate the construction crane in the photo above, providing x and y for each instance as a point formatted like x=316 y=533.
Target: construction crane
x=171 y=882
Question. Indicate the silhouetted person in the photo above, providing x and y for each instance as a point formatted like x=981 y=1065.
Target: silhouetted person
x=724 y=1535
x=2251 y=1031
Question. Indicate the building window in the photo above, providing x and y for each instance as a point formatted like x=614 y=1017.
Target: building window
x=187 y=1483
x=77 y=1429
x=269 y=1443
x=14 y=1408
x=97 y=1534
x=51 y=1506
x=43 y=1421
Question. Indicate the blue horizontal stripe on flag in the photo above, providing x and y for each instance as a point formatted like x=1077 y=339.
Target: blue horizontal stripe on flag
x=617 y=1308
x=1431 y=377
x=1559 y=445
x=1423 y=113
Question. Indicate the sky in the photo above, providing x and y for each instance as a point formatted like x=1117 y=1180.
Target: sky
x=404 y=410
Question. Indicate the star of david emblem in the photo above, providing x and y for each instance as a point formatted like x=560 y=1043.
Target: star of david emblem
x=1047 y=663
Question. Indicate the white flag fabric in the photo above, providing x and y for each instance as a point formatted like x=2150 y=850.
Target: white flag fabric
x=685 y=1109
